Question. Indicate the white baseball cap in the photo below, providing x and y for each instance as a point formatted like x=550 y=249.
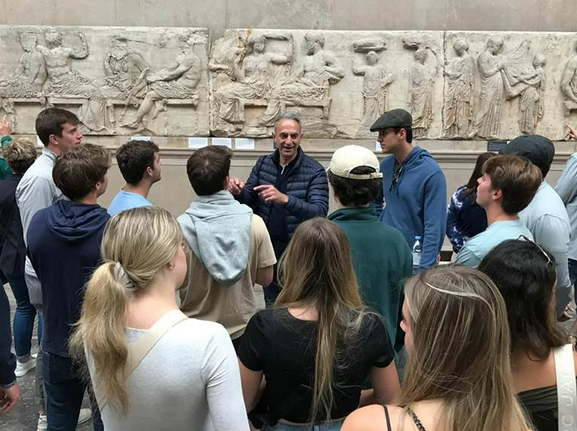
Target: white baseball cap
x=348 y=158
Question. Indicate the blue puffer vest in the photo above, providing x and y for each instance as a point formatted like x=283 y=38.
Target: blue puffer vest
x=307 y=189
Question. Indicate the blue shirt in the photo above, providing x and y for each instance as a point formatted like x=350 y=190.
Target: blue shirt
x=126 y=201
x=480 y=245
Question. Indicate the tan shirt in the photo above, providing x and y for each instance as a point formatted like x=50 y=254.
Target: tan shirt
x=231 y=306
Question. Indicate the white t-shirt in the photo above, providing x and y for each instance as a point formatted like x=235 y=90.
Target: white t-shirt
x=189 y=380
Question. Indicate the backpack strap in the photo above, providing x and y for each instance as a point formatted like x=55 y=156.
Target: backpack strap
x=138 y=351
x=566 y=388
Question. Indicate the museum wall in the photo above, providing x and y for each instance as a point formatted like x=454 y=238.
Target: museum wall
x=218 y=15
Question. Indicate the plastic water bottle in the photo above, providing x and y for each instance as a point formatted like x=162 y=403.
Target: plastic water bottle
x=417 y=252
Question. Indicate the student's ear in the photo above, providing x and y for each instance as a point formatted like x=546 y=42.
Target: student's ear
x=53 y=139
x=497 y=194
x=149 y=171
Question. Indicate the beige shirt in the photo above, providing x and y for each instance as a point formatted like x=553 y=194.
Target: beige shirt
x=231 y=306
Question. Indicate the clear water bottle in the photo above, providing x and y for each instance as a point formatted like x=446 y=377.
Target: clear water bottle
x=417 y=252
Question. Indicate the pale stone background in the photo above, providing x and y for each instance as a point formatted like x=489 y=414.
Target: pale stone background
x=218 y=15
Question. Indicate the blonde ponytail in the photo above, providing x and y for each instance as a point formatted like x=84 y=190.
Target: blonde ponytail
x=100 y=331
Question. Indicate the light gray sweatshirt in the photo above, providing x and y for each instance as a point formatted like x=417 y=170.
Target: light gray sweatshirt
x=217 y=228
x=36 y=191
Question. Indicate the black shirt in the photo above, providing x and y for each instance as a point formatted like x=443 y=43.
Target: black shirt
x=284 y=347
x=541 y=406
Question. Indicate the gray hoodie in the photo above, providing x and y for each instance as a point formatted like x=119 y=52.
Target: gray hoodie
x=217 y=228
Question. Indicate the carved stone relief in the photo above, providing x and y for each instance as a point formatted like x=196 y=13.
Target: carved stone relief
x=376 y=80
x=569 y=82
x=422 y=84
x=252 y=73
x=339 y=82
x=269 y=72
x=118 y=79
x=162 y=82
x=460 y=84
x=518 y=84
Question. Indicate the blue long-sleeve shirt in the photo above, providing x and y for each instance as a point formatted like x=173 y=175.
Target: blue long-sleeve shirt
x=416 y=201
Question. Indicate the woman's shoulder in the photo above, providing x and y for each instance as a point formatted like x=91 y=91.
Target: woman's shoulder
x=271 y=316
x=462 y=194
x=198 y=330
x=376 y=418
x=370 y=418
x=372 y=322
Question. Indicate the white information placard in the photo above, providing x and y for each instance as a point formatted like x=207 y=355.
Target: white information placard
x=244 y=143
x=197 y=142
x=224 y=142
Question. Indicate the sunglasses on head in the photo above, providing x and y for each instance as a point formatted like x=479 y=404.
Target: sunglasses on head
x=524 y=238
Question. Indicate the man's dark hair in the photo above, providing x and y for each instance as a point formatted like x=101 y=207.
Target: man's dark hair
x=351 y=192
x=408 y=131
x=518 y=179
x=77 y=172
x=50 y=122
x=525 y=275
x=134 y=157
x=207 y=169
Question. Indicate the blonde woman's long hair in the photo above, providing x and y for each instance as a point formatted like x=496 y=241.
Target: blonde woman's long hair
x=460 y=350
x=136 y=246
x=317 y=271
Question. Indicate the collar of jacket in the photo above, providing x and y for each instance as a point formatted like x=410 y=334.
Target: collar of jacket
x=296 y=162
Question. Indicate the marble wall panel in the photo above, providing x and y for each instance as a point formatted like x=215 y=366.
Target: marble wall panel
x=159 y=81
x=339 y=82
x=518 y=89
x=119 y=80
x=457 y=85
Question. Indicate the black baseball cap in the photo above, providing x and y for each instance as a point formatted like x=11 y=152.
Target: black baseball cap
x=538 y=149
x=393 y=118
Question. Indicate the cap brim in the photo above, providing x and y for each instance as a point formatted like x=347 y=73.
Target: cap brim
x=377 y=128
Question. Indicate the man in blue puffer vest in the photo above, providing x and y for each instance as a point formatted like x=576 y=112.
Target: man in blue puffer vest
x=285 y=188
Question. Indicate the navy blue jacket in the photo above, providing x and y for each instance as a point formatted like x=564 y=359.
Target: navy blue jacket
x=12 y=244
x=7 y=359
x=306 y=187
x=64 y=247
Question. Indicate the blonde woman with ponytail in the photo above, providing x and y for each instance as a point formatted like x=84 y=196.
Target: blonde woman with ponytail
x=188 y=378
x=319 y=344
x=458 y=375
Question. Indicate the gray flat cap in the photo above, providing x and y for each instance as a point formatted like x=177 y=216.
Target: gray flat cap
x=393 y=118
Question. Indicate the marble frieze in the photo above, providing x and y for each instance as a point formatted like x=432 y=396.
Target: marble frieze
x=178 y=82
